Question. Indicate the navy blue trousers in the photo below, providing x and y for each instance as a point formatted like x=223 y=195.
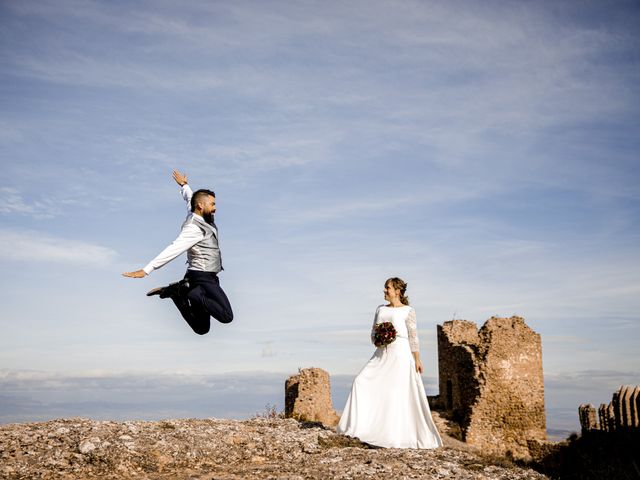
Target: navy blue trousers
x=203 y=299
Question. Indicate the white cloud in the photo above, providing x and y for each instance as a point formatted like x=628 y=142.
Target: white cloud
x=462 y=75
x=268 y=350
x=32 y=246
x=12 y=202
x=37 y=395
x=15 y=202
x=10 y=133
x=345 y=205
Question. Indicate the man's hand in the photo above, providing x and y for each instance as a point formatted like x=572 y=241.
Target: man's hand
x=180 y=178
x=136 y=274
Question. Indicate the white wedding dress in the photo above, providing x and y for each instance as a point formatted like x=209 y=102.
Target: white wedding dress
x=387 y=405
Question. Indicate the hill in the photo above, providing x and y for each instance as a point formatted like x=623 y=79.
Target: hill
x=225 y=449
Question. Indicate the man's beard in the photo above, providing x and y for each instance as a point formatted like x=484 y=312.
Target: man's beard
x=208 y=217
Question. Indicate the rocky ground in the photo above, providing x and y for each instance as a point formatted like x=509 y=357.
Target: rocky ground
x=225 y=449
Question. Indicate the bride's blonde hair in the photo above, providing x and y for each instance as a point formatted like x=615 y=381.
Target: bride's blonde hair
x=401 y=285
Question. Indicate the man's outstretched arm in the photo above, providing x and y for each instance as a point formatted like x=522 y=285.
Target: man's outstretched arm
x=185 y=189
x=189 y=236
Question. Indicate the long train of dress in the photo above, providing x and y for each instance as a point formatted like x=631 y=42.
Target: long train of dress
x=387 y=405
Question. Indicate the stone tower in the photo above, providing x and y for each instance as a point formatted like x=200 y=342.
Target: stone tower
x=491 y=383
x=308 y=397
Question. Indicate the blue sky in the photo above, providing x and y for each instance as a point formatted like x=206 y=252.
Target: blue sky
x=486 y=152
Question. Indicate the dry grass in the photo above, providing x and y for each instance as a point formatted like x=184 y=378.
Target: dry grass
x=270 y=412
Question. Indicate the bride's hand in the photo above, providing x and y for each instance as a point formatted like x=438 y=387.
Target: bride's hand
x=419 y=366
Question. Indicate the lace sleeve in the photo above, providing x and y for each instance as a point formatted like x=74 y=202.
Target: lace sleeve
x=412 y=328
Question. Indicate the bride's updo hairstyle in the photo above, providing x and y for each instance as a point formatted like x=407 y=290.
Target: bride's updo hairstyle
x=401 y=285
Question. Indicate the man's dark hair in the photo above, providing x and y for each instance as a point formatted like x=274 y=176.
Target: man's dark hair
x=198 y=194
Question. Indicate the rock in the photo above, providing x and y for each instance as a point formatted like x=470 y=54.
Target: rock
x=227 y=449
x=86 y=446
x=308 y=397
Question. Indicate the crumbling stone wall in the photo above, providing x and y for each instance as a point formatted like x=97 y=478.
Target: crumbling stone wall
x=491 y=383
x=308 y=397
x=622 y=412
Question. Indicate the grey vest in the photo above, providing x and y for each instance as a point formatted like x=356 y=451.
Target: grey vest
x=204 y=255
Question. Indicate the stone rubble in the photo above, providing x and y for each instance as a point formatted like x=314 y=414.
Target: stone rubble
x=259 y=448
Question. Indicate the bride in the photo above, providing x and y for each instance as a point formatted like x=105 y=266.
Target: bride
x=387 y=405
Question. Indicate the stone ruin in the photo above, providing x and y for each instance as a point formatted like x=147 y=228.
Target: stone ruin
x=623 y=412
x=491 y=384
x=308 y=397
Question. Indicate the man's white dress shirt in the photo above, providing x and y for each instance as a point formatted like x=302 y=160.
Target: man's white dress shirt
x=189 y=236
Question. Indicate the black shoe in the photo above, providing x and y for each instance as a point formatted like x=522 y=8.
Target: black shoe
x=174 y=289
x=155 y=291
x=170 y=290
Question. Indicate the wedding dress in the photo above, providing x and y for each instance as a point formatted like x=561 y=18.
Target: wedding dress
x=387 y=405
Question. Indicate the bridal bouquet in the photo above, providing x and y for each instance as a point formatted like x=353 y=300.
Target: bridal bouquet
x=384 y=334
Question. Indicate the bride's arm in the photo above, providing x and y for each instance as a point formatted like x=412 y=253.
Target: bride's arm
x=416 y=358
x=414 y=343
